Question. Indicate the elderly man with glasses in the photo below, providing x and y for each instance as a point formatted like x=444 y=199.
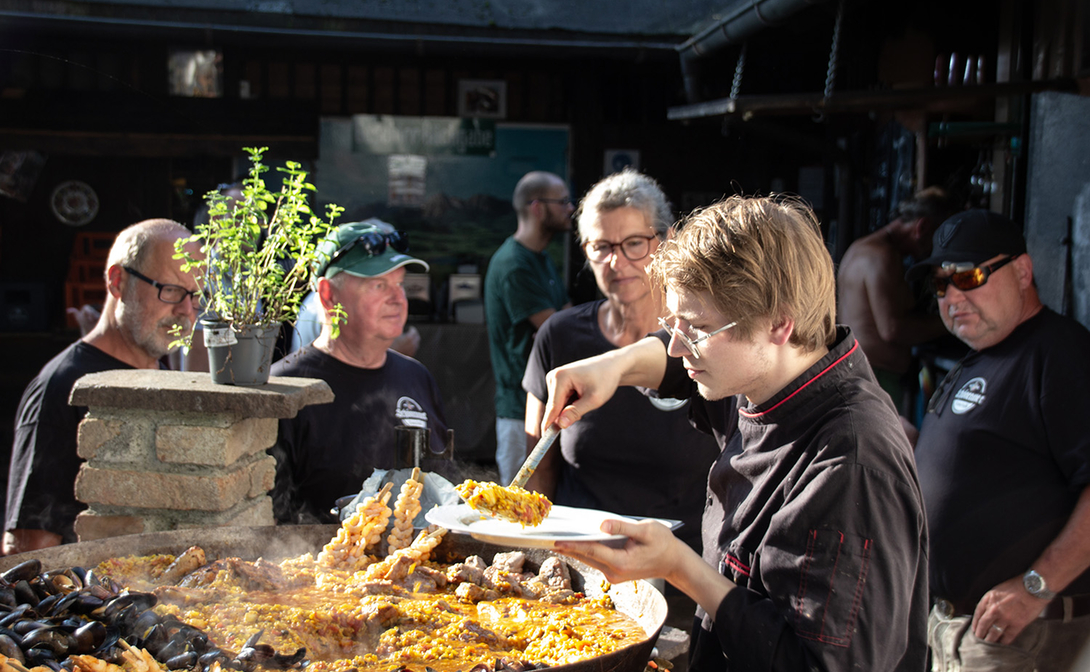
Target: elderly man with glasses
x=1004 y=461
x=814 y=537
x=328 y=450
x=147 y=296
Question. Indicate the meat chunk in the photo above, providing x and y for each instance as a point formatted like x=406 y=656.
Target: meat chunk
x=512 y=562
x=465 y=573
x=476 y=562
x=474 y=593
x=257 y=575
x=189 y=561
x=554 y=574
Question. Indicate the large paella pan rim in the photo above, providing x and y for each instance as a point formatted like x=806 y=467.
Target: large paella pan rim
x=637 y=599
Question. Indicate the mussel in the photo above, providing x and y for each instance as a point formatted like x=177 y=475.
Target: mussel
x=24 y=571
x=53 y=638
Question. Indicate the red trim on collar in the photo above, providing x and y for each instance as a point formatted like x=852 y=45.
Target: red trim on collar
x=803 y=387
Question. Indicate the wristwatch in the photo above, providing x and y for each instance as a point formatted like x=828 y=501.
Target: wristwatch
x=1036 y=586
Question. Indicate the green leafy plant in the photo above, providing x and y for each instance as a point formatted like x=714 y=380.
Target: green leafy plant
x=258 y=253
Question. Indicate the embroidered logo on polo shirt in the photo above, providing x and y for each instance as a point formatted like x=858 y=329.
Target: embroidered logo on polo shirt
x=410 y=413
x=969 y=396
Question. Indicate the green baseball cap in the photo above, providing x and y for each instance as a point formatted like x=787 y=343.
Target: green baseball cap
x=366 y=249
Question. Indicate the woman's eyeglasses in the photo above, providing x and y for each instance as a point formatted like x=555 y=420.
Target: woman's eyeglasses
x=693 y=344
x=373 y=244
x=633 y=248
x=966 y=277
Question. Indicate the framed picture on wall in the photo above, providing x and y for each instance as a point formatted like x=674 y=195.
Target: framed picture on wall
x=485 y=98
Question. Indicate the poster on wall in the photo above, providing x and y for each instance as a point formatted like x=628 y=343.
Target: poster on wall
x=444 y=180
x=617 y=160
x=406 y=174
x=484 y=98
x=19 y=172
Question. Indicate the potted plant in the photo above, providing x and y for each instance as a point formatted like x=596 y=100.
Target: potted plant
x=257 y=256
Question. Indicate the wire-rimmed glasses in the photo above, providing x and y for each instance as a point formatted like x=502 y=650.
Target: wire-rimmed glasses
x=693 y=344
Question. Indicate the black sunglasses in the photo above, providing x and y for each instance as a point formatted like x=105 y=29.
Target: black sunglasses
x=167 y=293
x=373 y=244
x=966 y=277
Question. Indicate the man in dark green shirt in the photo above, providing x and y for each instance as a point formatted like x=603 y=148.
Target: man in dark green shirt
x=522 y=289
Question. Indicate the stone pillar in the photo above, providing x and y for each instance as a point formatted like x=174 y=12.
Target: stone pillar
x=168 y=449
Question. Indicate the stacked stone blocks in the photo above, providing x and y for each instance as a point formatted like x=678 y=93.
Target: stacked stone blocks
x=167 y=450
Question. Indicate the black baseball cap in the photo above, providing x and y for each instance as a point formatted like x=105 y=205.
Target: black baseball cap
x=973 y=236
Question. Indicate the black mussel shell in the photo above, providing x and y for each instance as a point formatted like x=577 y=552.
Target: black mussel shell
x=182 y=661
x=90 y=636
x=36 y=657
x=25 y=594
x=55 y=639
x=7 y=596
x=258 y=653
x=154 y=639
x=27 y=626
x=286 y=662
x=139 y=601
x=17 y=614
x=10 y=647
x=24 y=571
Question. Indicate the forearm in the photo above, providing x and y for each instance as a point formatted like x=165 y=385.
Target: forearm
x=1068 y=556
x=700 y=581
x=643 y=364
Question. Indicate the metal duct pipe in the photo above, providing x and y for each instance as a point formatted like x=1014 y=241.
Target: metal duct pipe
x=745 y=18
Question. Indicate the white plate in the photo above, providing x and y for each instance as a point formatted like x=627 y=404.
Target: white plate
x=562 y=524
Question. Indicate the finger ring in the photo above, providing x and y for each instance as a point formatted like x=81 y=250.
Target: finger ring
x=997 y=627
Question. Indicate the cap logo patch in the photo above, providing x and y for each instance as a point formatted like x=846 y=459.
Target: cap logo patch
x=969 y=396
x=948 y=232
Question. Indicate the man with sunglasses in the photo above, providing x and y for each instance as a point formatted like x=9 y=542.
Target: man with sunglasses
x=1004 y=460
x=147 y=295
x=328 y=450
x=522 y=288
x=814 y=537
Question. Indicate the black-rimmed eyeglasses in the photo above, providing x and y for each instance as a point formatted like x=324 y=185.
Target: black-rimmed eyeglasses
x=373 y=244
x=633 y=248
x=167 y=293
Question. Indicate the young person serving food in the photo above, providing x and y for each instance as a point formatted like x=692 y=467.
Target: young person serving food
x=814 y=535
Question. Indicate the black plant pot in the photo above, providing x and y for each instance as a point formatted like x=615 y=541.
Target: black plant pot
x=239 y=355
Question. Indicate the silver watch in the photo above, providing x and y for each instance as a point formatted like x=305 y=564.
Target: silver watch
x=1036 y=586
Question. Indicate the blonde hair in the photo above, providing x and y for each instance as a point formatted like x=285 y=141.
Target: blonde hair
x=757 y=258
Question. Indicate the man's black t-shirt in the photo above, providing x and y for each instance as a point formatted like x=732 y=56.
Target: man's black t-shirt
x=1004 y=456
x=328 y=450
x=44 y=463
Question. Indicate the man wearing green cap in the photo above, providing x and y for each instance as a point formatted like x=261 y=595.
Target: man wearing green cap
x=328 y=450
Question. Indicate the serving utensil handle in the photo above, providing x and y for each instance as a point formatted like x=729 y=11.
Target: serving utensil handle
x=532 y=460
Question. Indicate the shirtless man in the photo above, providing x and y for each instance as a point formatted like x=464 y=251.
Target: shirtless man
x=873 y=297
